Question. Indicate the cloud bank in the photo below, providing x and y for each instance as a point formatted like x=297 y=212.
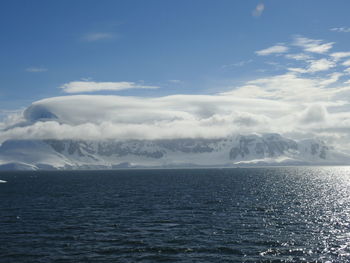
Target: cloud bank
x=309 y=97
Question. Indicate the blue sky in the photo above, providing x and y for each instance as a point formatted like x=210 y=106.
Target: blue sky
x=182 y=47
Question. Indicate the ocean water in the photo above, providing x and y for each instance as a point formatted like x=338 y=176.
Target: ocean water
x=295 y=214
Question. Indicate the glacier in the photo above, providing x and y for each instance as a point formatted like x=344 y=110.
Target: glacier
x=232 y=151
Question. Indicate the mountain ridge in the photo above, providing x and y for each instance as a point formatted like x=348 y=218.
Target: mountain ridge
x=232 y=151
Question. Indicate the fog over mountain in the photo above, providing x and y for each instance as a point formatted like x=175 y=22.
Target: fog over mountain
x=91 y=131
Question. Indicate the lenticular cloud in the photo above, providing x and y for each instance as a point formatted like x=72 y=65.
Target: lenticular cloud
x=116 y=117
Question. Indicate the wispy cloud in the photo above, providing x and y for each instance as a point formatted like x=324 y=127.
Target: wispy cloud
x=313 y=45
x=320 y=65
x=346 y=63
x=341 y=29
x=277 y=49
x=237 y=64
x=91 y=86
x=98 y=36
x=299 y=56
x=340 y=55
x=259 y=9
x=36 y=69
x=315 y=66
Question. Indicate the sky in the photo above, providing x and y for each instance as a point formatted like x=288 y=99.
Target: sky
x=166 y=68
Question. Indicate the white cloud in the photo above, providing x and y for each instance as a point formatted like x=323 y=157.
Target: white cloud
x=341 y=29
x=298 y=70
x=36 y=69
x=10 y=117
x=259 y=9
x=320 y=65
x=346 y=63
x=116 y=117
x=91 y=86
x=291 y=88
x=98 y=36
x=315 y=66
x=313 y=45
x=314 y=113
x=277 y=49
x=237 y=64
x=339 y=55
x=331 y=78
x=300 y=56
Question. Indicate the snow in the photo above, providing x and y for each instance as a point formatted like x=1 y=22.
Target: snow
x=247 y=150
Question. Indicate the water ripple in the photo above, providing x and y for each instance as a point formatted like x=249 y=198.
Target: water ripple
x=299 y=214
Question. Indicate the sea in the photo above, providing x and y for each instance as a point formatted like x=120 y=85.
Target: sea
x=281 y=214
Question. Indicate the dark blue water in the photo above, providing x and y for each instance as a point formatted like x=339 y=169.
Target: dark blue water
x=211 y=215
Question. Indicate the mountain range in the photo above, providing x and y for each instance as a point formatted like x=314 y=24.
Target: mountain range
x=232 y=151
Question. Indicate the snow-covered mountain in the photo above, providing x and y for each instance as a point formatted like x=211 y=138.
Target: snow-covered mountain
x=239 y=150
